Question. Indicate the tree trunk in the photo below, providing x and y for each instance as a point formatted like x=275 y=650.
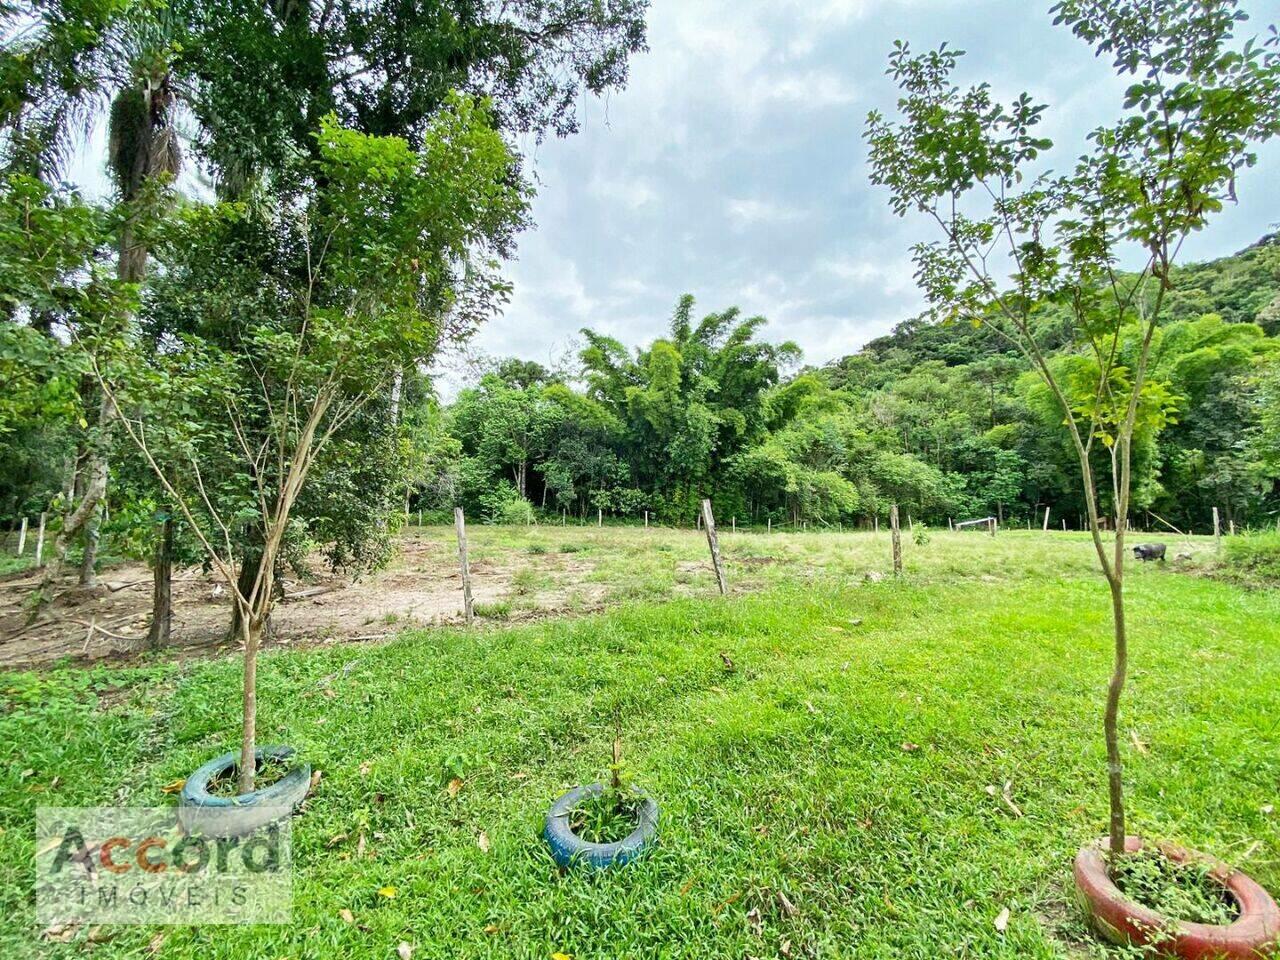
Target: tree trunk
x=94 y=489
x=248 y=575
x=1121 y=463
x=252 y=633
x=1115 y=769
x=92 y=533
x=162 y=591
x=256 y=613
x=397 y=385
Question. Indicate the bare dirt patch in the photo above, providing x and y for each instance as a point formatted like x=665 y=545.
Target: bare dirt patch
x=421 y=587
x=518 y=573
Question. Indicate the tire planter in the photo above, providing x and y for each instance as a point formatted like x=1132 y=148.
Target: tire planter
x=201 y=812
x=569 y=850
x=1252 y=935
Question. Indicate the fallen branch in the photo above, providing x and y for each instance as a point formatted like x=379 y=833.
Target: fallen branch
x=93 y=625
x=116 y=588
x=313 y=592
x=1180 y=533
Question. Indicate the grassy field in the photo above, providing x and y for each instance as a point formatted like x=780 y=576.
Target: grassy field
x=839 y=792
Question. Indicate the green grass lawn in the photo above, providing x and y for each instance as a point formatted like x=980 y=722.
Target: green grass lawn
x=828 y=797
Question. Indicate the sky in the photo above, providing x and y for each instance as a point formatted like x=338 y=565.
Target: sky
x=732 y=167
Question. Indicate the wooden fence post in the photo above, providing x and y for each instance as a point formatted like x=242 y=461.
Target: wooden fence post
x=951 y=527
x=876 y=520
x=40 y=540
x=646 y=519
x=897 y=540
x=991 y=525
x=1231 y=526
x=911 y=524
x=1217 y=529
x=769 y=525
x=734 y=523
x=709 y=521
x=1064 y=524
x=460 y=525
x=599 y=516
x=22 y=537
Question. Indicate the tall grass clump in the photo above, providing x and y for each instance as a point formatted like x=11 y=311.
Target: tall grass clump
x=1254 y=555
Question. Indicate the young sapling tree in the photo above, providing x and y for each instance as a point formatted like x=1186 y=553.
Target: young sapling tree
x=1024 y=246
x=330 y=294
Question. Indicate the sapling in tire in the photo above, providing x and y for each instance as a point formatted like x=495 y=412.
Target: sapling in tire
x=603 y=824
x=331 y=298
x=1021 y=245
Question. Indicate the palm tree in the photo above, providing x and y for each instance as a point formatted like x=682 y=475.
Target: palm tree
x=61 y=73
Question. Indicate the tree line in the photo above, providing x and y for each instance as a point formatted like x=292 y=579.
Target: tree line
x=944 y=419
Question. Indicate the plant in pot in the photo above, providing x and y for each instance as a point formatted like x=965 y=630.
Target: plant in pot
x=272 y=325
x=602 y=824
x=1034 y=256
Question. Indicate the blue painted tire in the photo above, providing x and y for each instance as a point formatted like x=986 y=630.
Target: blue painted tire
x=568 y=849
x=201 y=812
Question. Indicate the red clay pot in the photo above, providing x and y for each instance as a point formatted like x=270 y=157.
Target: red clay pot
x=1253 y=935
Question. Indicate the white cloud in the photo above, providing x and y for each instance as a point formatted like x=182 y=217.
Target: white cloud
x=732 y=168
x=891 y=276
x=838 y=11
x=749 y=212
x=631 y=192
x=813 y=89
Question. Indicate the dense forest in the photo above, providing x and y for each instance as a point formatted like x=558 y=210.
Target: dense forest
x=945 y=419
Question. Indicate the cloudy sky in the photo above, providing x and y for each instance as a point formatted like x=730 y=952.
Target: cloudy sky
x=732 y=168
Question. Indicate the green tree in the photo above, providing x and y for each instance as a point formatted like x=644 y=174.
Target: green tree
x=1263 y=437
x=507 y=428
x=1197 y=105
x=76 y=59
x=690 y=402
x=363 y=280
x=268 y=72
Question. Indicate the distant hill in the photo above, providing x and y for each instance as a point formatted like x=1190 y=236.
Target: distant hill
x=1241 y=288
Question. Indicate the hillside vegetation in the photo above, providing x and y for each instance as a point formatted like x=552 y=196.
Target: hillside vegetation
x=943 y=418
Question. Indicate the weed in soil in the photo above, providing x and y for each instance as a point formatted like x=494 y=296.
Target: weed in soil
x=1179 y=891
x=605 y=818
x=268 y=772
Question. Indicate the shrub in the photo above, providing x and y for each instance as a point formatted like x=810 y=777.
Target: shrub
x=498 y=610
x=515 y=512
x=1255 y=555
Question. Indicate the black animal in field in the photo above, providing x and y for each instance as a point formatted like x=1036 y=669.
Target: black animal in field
x=1149 y=551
